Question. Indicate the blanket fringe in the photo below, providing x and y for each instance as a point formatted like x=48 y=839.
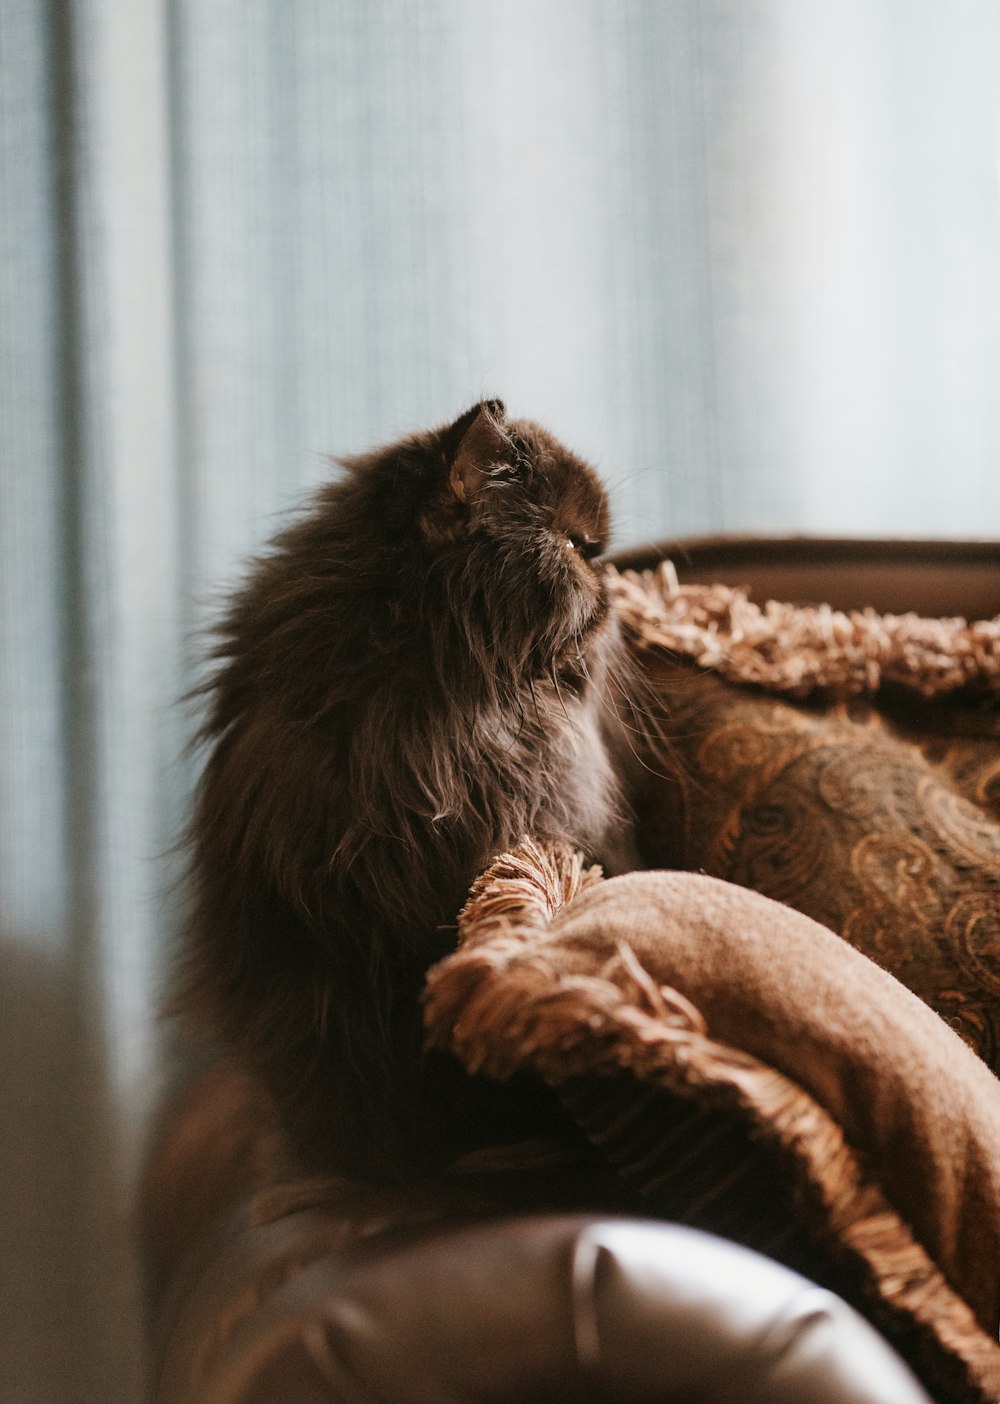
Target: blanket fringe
x=798 y=650
x=524 y=888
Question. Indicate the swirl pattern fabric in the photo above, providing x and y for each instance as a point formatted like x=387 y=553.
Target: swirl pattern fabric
x=877 y=813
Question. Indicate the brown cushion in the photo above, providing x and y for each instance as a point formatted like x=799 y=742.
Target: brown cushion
x=750 y=1073
x=847 y=765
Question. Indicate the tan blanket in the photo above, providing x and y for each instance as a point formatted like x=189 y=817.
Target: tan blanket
x=749 y=1073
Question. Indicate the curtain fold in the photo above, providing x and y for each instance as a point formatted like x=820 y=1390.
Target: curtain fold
x=90 y=750
x=742 y=255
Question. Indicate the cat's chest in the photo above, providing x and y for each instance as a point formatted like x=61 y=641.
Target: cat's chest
x=577 y=786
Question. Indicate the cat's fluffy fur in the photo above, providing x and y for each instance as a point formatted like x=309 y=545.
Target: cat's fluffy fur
x=413 y=677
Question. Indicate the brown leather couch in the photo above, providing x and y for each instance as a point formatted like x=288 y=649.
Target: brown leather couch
x=497 y=1286
x=543 y=1308
x=268 y=1290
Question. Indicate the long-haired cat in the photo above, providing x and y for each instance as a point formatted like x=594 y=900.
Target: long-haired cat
x=414 y=676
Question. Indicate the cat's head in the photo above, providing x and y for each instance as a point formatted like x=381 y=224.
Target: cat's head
x=521 y=522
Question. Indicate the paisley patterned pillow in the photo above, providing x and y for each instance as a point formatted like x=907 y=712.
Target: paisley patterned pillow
x=863 y=804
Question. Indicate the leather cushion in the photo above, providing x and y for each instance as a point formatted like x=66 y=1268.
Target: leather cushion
x=525 y=1310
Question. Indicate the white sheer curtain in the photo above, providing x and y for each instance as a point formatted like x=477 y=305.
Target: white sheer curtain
x=746 y=256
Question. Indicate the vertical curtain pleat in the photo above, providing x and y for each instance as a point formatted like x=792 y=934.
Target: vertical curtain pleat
x=36 y=1043
x=90 y=748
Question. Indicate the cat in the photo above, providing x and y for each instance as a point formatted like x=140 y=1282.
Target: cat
x=418 y=672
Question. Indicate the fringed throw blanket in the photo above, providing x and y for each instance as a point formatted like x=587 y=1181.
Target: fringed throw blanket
x=739 y=1065
x=750 y=1074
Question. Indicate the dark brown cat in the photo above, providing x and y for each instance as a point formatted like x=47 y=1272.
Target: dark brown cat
x=414 y=677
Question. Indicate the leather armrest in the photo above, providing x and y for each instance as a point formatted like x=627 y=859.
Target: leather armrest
x=540 y=1309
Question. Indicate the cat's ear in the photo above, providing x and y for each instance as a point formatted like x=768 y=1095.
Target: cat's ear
x=468 y=449
x=472 y=444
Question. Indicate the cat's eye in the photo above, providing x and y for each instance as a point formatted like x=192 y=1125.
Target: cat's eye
x=584 y=545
